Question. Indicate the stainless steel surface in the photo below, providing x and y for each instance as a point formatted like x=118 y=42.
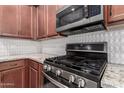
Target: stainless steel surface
x=81 y=83
x=80 y=22
x=45 y=67
x=88 y=51
x=71 y=78
x=58 y=72
x=97 y=17
x=72 y=25
x=53 y=66
x=49 y=68
x=66 y=75
x=91 y=50
x=50 y=85
x=54 y=81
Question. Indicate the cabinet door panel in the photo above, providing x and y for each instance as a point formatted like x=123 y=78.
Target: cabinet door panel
x=33 y=77
x=42 y=21
x=115 y=13
x=9 y=20
x=14 y=78
x=25 y=21
x=51 y=19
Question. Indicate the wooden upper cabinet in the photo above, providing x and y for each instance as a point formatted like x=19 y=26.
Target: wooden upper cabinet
x=46 y=21
x=14 y=78
x=20 y=21
x=26 y=28
x=42 y=21
x=16 y=21
x=115 y=13
x=51 y=19
x=9 y=20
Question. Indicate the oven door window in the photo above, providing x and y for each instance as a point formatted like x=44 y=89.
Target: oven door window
x=72 y=14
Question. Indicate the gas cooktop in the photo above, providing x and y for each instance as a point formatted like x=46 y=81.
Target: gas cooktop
x=79 y=64
x=87 y=61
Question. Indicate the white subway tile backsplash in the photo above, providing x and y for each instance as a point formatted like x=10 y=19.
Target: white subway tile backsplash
x=9 y=46
x=54 y=46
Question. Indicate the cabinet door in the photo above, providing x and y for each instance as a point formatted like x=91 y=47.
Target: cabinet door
x=9 y=20
x=25 y=14
x=42 y=21
x=1 y=84
x=41 y=76
x=51 y=19
x=14 y=78
x=115 y=13
x=33 y=77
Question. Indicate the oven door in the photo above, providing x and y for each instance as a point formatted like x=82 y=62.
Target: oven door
x=49 y=82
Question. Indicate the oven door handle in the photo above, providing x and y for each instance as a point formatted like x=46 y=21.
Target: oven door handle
x=54 y=81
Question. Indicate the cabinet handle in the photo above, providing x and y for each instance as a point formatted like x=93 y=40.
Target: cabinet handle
x=13 y=64
x=110 y=10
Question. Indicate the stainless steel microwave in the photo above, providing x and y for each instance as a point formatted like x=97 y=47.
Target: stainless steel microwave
x=72 y=19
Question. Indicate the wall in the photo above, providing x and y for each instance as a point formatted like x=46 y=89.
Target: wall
x=114 y=36
x=10 y=46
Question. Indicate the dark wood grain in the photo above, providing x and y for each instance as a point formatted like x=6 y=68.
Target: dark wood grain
x=14 y=78
x=9 y=20
x=26 y=27
x=51 y=19
x=33 y=77
x=42 y=21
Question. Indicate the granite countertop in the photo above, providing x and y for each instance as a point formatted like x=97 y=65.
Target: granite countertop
x=36 y=57
x=113 y=76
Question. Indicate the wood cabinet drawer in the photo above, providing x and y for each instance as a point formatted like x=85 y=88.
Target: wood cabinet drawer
x=12 y=64
x=34 y=64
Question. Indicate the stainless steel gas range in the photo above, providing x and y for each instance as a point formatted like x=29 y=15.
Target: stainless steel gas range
x=81 y=67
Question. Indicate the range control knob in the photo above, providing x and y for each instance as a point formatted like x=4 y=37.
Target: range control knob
x=49 y=68
x=58 y=72
x=81 y=83
x=71 y=79
x=45 y=67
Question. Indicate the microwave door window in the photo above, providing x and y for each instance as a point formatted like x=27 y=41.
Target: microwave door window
x=72 y=14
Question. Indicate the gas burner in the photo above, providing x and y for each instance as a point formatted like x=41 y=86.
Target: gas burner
x=86 y=71
x=95 y=64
